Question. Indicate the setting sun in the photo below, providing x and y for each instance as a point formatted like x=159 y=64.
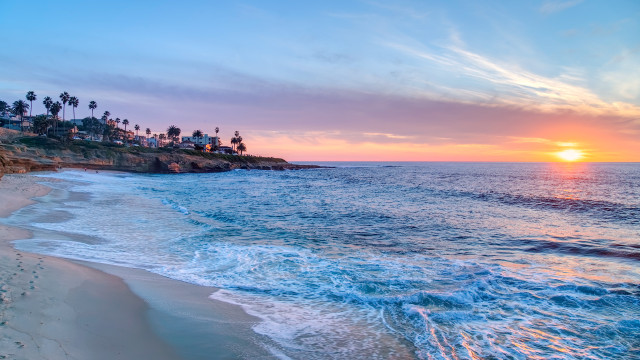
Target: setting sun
x=570 y=155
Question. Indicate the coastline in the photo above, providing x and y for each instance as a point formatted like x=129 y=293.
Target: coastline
x=54 y=308
x=20 y=153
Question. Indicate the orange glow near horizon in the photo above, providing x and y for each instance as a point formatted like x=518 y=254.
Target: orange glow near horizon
x=547 y=146
x=570 y=155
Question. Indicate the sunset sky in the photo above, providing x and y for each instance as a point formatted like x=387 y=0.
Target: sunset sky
x=345 y=80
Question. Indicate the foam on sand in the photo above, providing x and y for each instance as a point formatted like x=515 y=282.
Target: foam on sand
x=51 y=308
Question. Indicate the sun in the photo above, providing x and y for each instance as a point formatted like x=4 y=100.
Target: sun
x=570 y=155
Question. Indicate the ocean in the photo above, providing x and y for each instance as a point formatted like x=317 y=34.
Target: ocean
x=381 y=260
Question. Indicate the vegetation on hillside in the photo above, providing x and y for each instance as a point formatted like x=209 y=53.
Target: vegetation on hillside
x=84 y=147
x=105 y=128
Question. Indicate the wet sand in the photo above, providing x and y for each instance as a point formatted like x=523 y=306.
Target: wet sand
x=52 y=308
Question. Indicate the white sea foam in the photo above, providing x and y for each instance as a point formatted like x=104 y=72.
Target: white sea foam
x=452 y=261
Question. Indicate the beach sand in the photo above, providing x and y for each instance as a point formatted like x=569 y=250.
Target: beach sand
x=52 y=308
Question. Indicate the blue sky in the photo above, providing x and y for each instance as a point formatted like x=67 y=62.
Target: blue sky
x=437 y=79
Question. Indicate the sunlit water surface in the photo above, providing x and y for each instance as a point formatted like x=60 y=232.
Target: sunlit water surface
x=386 y=260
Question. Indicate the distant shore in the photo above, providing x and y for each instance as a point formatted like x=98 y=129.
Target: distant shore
x=22 y=154
x=53 y=308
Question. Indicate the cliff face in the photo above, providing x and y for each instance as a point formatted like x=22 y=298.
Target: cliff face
x=38 y=154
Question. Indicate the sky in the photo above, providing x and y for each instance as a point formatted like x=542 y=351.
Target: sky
x=349 y=80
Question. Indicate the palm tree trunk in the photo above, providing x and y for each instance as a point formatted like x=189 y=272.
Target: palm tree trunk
x=31 y=112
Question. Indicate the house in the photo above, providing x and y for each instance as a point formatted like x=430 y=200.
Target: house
x=75 y=122
x=202 y=141
x=82 y=135
x=141 y=140
x=187 y=145
x=225 y=150
x=63 y=129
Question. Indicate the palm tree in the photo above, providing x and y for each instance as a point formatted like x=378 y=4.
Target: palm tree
x=118 y=121
x=241 y=148
x=234 y=141
x=197 y=134
x=216 y=143
x=47 y=102
x=162 y=137
x=73 y=101
x=125 y=122
x=3 y=106
x=55 y=110
x=31 y=96
x=105 y=116
x=40 y=124
x=173 y=132
x=136 y=127
x=19 y=108
x=65 y=98
x=148 y=132
x=92 y=105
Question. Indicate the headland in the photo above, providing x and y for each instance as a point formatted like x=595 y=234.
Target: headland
x=21 y=153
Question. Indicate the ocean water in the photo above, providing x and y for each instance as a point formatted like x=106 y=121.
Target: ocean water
x=382 y=260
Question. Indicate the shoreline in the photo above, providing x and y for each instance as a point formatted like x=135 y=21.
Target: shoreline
x=20 y=153
x=56 y=308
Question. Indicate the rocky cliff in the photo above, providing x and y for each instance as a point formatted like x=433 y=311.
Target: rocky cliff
x=21 y=154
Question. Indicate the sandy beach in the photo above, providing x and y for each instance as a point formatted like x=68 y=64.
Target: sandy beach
x=52 y=308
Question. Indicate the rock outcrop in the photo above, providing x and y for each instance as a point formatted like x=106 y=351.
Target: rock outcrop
x=26 y=154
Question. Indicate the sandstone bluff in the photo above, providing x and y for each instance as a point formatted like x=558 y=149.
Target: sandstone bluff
x=20 y=154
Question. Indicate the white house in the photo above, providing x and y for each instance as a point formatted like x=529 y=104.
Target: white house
x=202 y=141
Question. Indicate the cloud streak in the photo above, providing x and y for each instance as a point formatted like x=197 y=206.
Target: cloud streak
x=518 y=87
x=551 y=7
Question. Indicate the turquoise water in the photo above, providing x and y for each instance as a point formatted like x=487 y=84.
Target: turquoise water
x=382 y=260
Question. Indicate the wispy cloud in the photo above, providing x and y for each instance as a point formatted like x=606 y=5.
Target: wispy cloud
x=550 y=7
x=518 y=87
x=526 y=140
x=389 y=136
x=531 y=140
